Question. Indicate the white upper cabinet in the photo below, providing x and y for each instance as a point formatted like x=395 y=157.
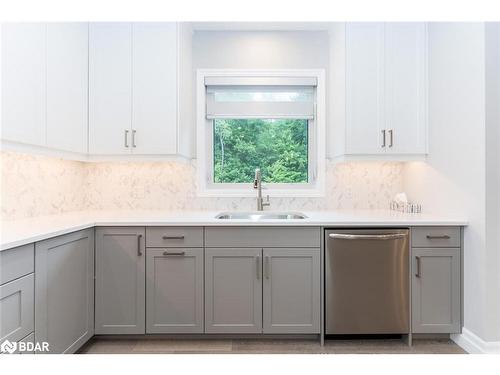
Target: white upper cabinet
x=133 y=88
x=365 y=85
x=406 y=87
x=67 y=86
x=110 y=88
x=385 y=89
x=23 y=83
x=154 y=83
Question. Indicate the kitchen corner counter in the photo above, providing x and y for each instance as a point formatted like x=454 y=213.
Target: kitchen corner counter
x=19 y=232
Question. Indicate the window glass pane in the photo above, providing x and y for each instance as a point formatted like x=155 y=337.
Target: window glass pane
x=267 y=94
x=278 y=147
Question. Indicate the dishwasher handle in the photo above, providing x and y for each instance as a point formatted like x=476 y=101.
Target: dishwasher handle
x=345 y=236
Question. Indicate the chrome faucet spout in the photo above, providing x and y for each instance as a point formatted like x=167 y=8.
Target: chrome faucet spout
x=257 y=184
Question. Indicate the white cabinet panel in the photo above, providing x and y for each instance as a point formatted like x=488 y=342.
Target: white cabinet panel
x=110 y=88
x=154 y=114
x=386 y=88
x=406 y=87
x=67 y=86
x=23 y=83
x=364 y=87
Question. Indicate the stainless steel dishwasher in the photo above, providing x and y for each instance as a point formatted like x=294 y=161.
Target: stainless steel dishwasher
x=367 y=281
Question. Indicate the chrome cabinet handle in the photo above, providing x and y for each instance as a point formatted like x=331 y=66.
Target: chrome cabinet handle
x=139 y=237
x=126 y=138
x=267 y=269
x=417 y=274
x=133 y=138
x=439 y=237
x=391 y=137
x=342 y=236
x=173 y=237
x=257 y=266
x=169 y=253
x=383 y=138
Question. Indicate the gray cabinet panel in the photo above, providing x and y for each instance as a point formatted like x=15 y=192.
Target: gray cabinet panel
x=262 y=237
x=435 y=237
x=16 y=262
x=436 y=290
x=28 y=339
x=120 y=281
x=233 y=290
x=64 y=291
x=291 y=292
x=16 y=309
x=174 y=290
x=174 y=237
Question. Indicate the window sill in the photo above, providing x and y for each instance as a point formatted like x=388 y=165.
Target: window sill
x=251 y=193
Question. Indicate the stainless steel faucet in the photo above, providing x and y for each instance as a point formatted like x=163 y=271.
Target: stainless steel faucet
x=257 y=184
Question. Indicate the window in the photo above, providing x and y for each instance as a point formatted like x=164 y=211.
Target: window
x=272 y=121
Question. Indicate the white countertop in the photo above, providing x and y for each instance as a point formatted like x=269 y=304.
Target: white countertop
x=20 y=232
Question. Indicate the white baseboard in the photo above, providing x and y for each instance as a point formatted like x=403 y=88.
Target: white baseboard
x=473 y=344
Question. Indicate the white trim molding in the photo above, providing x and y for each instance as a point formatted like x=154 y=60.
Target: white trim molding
x=473 y=344
x=315 y=188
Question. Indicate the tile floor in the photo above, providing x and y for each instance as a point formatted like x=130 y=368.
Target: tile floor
x=266 y=346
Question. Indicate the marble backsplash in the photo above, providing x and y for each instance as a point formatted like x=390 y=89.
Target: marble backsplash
x=39 y=185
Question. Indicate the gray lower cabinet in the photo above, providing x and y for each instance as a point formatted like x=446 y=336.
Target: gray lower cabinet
x=291 y=290
x=120 y=284
x=16 y=308
x=64 y=291
x=436 y=290
x=233 y=290
x=174 y=290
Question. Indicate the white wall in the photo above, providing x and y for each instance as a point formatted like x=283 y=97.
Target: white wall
x=493 y=179
x=264 y=50
x=454 y=179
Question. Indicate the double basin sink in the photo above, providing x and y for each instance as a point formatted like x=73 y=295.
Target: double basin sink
x=258 y=215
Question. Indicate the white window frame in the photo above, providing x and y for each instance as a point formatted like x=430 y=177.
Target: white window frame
x=317 y=140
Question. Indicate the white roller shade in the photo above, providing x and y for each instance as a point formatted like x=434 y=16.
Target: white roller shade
x=260 y=97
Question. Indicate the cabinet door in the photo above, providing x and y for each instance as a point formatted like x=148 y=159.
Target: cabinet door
x=436 y=290
x=291 y=292
x=16 y=308
x=154 y=99
x=406 y=87
x=233 y=290
x=110 y=88
x=67 y=86
x=174 y=290
x=364 y=88
x=23 y=82
x=64 y=291
x=120 y=281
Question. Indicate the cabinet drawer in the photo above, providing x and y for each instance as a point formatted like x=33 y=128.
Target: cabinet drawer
x=262 y=237
x=16 y=262
x=174 y=237
x=17 y=308
x=435 y=237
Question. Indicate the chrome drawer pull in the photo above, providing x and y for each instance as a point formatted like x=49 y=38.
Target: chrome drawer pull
x=342 y=236
x=139 y=252
x=441 y=237
x=173 y=237
x=180 y=253
x=257 y=266
x=418 y=267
